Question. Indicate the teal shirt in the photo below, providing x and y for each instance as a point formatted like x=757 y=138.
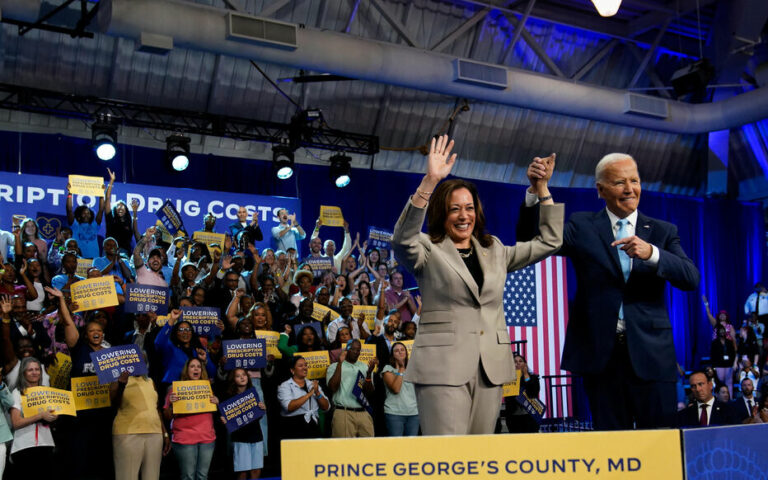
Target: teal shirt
x=403 y=403
x=343 y=396
x=6 y=399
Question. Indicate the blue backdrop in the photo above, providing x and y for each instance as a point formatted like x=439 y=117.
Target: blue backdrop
x=726 y=239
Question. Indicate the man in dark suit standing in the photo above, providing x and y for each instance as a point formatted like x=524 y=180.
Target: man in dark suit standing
x=242 y=232
x=705 y=410
x=619 y=336
x=742 y=407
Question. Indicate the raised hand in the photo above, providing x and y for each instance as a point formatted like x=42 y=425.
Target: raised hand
x=540 y=171
x=54 y=292
x=5 y=304
x=440 y=161
x=226 y=262
x=135 y=205
x=111 y=176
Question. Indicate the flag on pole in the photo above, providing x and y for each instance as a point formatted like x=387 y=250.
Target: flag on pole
x=536 y=310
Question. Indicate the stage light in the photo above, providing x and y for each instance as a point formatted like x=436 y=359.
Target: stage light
x=104 y=137
x=340 y=170
x=177 y=152
x=282 y=158
x=607 y=8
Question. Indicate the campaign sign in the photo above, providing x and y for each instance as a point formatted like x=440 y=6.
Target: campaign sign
x=83 y=264
x=317 y=363
x=270 y=338
x=47 y=399
x=319 y=264
x=170 y=218
x=379 y=238
x=194 y=396
x=331 y=216
x=249 y=353
x=408 y=346
x=319 y=312
x=512 y=389
x=533 y=406
x=369 y=314
x=82 y=185
x=94 y=293
x=316 y=326
x=58 y=372
x=241 y=410
x=146 y=298
x=359 y=393
x=202 y=319
x=209 y=238
x=109 y=363
x=89 y=393
x=367 y=353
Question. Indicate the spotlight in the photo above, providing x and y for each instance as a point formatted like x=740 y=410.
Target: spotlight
x=340 y=170
x=104 y=140
x=607 y=8
x=282 y=158
x=177 y=151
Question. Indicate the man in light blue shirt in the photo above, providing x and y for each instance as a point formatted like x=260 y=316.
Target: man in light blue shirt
x=288 y=233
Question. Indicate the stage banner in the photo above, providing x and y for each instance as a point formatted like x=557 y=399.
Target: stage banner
x=317 y=363
x=109 y=363
x=249 y=353
x=94 y=293
x=241 y=410
x=146 y=298
x=202 y=319
x=736 y=451
x=194 y=396
x=47 y=399
x=82 y=185
x=369 y=314
x=89 y=393
x=331 y=216
x=637 y=455
x=379 y=238
x=271 y=338
x=43 y=198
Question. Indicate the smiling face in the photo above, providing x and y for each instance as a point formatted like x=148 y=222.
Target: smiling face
x=259 y=318
x=155 y=262
x=110 y=247
x=121 y=209
x=32 y=373
x=184 y=333
x=299 y=370
x=245 y=327
x=95 y=333
x=353 y=352
x=315 y=245
x=460 y=219
x=242 y=214
x=345 y=308
x=619 y=186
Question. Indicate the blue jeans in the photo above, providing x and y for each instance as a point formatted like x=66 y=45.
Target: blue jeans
x=194 y=460
x=402 y=425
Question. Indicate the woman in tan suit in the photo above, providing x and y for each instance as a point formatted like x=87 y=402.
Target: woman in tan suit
x=462 y=353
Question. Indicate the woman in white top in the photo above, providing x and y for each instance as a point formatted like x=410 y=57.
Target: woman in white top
x=301 y=400
x=32 y=449
x=400 y=409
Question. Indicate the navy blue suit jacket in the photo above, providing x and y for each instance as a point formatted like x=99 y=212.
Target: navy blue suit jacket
x=721 y=415
x=601 y=288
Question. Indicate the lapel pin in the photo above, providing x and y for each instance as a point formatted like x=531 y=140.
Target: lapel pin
x=646 y=226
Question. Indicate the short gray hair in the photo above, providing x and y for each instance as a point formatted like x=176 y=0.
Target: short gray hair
x=608 y=160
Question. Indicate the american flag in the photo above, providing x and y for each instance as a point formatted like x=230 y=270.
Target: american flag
x=536 y=310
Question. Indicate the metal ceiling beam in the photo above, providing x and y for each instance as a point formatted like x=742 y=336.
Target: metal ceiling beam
x=352 y=16
x=649 y=54
x=654 y=19
x=607 y=48
x=460 y=30
x=395 y=23
x=25 y=99
x=521 y=26
x=273 y=8
x=651 y=72
x=534 y=45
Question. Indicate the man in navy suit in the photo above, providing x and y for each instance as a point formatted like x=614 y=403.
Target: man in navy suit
x=252 y=232
x=705 y=410
x=619 y=336
x=742 y=406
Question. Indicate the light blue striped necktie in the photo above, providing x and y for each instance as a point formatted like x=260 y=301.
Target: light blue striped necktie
x=626 y=262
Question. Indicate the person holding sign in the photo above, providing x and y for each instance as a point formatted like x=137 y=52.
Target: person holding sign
x=85 y=225
x=152 y=272
x=351 y=418
x=300 y=400
x=120 y=224
x=462 y=356
x=29 y=232
x=192 y=435
x=176 y=343
x=91 y=430
x=32 y=449
x=518 y=420
x=248 y=441
x=6 y=402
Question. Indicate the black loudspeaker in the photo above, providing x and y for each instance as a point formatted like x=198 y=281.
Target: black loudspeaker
x=694 y=78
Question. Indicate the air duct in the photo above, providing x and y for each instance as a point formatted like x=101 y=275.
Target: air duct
x=204 y=28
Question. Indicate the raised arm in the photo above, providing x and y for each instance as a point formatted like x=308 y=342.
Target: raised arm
x=71 y=335
x=135 y=209
x=710 y=317
x=138 y=261
x=70 y=214
x=108 y=191
x=232 y=308
x=9 y=354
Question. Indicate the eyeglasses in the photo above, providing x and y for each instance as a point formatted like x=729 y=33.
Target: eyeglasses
x=184 y=329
